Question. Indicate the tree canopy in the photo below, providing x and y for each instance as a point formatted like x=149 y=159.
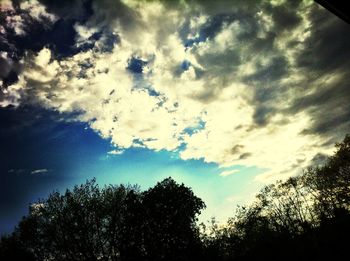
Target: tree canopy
x=112 y=223
x=305 y=216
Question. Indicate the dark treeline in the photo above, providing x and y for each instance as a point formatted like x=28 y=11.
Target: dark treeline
x=307 y=216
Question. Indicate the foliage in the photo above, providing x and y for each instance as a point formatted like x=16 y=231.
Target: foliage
x=113 y=223
x=305 y=216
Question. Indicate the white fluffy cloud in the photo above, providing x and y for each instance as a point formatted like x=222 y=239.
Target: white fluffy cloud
x=17 y=20
x=37 y=11
x=214 y=106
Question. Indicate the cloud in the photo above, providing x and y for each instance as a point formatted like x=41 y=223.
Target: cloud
x=19 y=21
x=19 y=17
x=16 y=171
x=115 y=152
x=244 y=84
x=32 y=172
x=325 y=58
x=6 y=5
x=37 y=11
x=39 y=171
x=228 y=172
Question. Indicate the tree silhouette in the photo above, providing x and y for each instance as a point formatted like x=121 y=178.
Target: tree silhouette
x=113 y=223
x=305 y=216
x=171 y=232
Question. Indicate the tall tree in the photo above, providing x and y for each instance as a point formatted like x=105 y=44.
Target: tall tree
x=171 y=211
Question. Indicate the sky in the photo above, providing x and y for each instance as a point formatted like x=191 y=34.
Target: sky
x=224 y=96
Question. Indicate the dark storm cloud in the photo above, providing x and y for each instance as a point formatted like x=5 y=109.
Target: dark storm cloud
x=275 y=70
x=223 y=62
x=245 y=155
x=236 y=149
x=325 y=53
x=107 y=11
x=284 y=16
x=266 y=89
x=262 y=113
x=326 y=56
x=249 y=44
x=263 y=44
x=265 y=80
x=333 y=94
x=210 y=7
x=327 y=49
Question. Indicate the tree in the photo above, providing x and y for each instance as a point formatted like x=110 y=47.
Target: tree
x=332 y=181
x=82 y=224
x=307 y=215
x=170 y=211
x=11 y=248
x=113 y=223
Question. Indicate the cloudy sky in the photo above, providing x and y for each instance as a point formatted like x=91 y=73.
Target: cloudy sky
x=225 y=96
